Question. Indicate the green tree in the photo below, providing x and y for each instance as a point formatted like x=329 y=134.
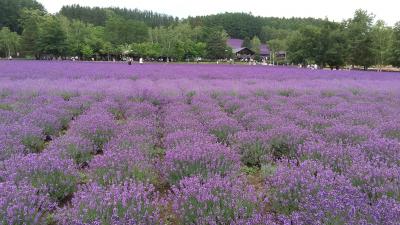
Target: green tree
x=382 y=39
x=87 y=52
x=52 y=37
x=30 y=21
x=119 y=31
x=180 y=42
x=360 y=39
x=395 y=46
x=215 y=40
x=325 y=45
x=10 y=12
x=146 y=49
x=304 y=45
x=246 y=43
x=255 y=47
x=335 y=55
x=199 y=49
x=9 y=42
x=165 y=38
x=276 y=45
x=77 y=33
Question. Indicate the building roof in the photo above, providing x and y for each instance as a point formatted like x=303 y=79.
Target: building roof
x=238 y=50
x=236 y=45
x=264 y=50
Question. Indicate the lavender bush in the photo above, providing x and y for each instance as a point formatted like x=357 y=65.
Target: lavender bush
x=223 y=144
x=128 y=203
x=51 y=175
x=203 y=159
x=213 y=201
x=21 y=204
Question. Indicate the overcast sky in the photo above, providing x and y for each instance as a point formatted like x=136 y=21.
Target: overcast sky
x=336 y=10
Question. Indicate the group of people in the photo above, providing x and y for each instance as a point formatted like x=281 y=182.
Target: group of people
x=130 y=61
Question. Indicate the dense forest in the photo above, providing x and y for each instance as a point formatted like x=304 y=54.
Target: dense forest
x=28 y=31
x=98 y=16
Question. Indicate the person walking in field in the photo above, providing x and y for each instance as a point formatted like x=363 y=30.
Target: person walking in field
x=141 y=61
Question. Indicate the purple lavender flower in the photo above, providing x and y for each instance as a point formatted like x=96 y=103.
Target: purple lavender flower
x=128 y=203
x=203 y=159
x=46 y=172
x=311 y=194
x=116 y=167
x=216 y=200
x=21 y=204
x=98 y=128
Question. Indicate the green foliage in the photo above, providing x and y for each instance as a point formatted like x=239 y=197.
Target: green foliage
x=52 y=37
x=323 y=46
x=87 y=51
x=146 y=49
x=180 y=42
x=253 y=154
x=269 y=33
x=156 y=152
x=4 y=106
x=238 y=25
x=281 y=147
x=58 y=184
x=255 y=44
x=98 y=16
x=246 y=43
x=249 y=170
x=276 y=45
x=31 y=20
x=215 y=39
x=268 y=170
x=183 y=168
x=189 y=97
x=9 y=42
x=382 y=39
x=287 y=92
x=360 y=39
x=286 y=202
x=79 y=156
x=10 y=12
x=99 y=138
x=106 y=176
x=119 y=31
x=33 y=144
x=395 y=46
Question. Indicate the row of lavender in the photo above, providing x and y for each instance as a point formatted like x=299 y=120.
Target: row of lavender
x=329 y=157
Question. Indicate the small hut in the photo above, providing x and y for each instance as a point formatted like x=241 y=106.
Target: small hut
x=243 y=53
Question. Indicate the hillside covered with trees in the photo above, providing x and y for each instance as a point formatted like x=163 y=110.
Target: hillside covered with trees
x=28 y=31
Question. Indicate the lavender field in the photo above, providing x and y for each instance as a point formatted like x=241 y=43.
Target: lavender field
x=108 y=143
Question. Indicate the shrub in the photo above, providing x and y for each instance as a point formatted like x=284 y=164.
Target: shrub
x=116 y=167
x=216 y=200
x=222 y=128
x=46 y=172
x=187 y=137
x=20 y=139
x=21 y=204
x=252 y=146
x=203 y=159
x=98 y=128
x=375 y=180
x=73 y=147
x=311 y=194
x=128 y=203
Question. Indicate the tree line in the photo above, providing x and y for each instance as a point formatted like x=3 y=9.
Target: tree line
x=106 y=33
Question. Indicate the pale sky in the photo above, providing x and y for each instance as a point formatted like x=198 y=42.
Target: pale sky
x=337 y=10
